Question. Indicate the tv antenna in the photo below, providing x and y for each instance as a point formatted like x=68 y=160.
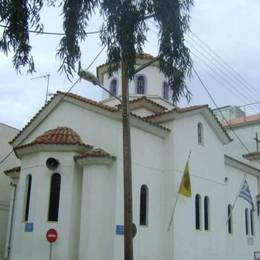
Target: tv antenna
x=47 y=77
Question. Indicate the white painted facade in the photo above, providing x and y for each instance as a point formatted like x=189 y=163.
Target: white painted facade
x=6 y=134
x=91 y=195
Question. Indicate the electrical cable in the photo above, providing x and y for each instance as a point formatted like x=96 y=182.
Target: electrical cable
x=225 y=70
x=246 y=93
x=222 y=74
x=238 y=75
x=223 y=117
x=51 y=33
x=219 y=79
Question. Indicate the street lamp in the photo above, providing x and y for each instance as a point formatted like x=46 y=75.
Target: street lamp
x=88 y=76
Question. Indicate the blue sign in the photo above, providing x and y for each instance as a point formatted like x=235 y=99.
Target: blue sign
x=120 y=230
x=28 y=227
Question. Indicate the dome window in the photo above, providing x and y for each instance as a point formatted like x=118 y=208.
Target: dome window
x=166 y=90
x=140 y=84
x=113 y=88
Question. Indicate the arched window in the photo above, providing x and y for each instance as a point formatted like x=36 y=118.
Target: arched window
x=246 y=221
x=230 y=227
x=197 y=211
x=54 y=197
x=28 y=187
x=252 y=222
x=140 y=85
x=113 y=87
x=200 y=131
x=206 y=213
x=166 y=90
x=144 y=205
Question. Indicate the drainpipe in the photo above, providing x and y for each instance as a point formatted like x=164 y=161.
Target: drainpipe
x=9 y=240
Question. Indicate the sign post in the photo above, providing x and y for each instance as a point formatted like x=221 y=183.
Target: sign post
x=51 y=237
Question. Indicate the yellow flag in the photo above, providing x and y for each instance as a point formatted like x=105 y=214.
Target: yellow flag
x=185 y=186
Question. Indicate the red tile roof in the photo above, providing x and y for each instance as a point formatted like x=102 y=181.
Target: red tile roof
x=241 y=120
x=16 y=169
x=188 y=109
x=177 y=109
x=97 y=152
x=57 y=136
x=144 y=98
x=89 y=101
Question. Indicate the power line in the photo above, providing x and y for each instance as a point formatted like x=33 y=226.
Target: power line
x=237 y=93
x=63 y=96
x=216 y=55
x=6 y=157
x=227 y=76
x=223 y=117
x=51 y=33
x=226 y=70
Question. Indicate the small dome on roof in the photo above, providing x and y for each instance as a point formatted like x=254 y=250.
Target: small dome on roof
x=59 y=135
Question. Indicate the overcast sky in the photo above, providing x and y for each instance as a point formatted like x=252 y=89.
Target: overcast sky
x=229 y=28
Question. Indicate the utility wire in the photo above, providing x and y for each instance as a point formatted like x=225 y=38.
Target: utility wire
x=223 y=79
x=50 y=33
x=223 y=117
x=236 y=73
x=220 y=72
x=233 y=131
x=224 y=68
x=213 y=75
x=63 y=96
x=6 y=157
x=246 y=92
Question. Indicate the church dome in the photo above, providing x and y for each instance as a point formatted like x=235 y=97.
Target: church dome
x=59 y=135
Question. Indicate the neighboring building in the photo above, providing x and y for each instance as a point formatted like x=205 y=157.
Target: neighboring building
x=82 y=195
x=6 y=134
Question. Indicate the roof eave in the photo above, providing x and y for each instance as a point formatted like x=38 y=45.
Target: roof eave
x=27 y=149
x=205 y=110
x=94 y=160
x=13 y=173
x=230 y=161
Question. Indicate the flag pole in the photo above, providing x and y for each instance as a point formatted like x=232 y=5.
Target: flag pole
x=173 y=212
x=176 y=201
x=234 y=203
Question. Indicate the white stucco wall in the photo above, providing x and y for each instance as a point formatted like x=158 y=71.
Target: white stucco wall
x=6 y=134
x=156 y=162
x=33 y=245
x=154 y=80
x=207 y=179
x=147 y=154
x=239 y=245
x=246 y=134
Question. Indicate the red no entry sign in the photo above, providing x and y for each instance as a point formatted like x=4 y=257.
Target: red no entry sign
x=51 y=235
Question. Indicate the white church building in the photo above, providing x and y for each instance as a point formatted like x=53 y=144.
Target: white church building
x=71 y=179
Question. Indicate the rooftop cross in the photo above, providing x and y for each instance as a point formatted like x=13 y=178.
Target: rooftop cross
x=257 y=142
